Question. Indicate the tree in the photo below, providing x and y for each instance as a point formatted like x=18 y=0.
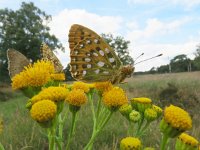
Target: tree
x=180 y=63
x=24 y=29
x=120 y=46
x=197 y=58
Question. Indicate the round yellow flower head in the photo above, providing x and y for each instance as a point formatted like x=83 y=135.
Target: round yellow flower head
x=43 y=111
x=158 y=110
x=150 y=114
x=186 y=142
x=115 y=97
x=175 y=121
x=34 y=75
x=103 y=86
x=130 y=143
x=141 y=103
x=52 y=93
x=134 y=116
x=125 y=109
x=58 y=76
x=76 y=97
x=81 y=85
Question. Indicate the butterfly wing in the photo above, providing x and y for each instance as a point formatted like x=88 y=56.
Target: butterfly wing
x=16 y=62
x=92 y=59
x=47 y=54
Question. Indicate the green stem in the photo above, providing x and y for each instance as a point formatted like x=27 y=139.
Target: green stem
x=129 y=128
x=164 y=142
x=74 y=114
x=60 y=132
x=97 y=131
x=51 y=138
x=1 y=147
x=98 y=107
x=140 y=124
x=144 y=129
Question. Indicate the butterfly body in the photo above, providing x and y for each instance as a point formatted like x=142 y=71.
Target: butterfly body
x=92 y=59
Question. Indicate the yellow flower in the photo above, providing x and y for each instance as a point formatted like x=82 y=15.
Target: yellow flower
x=134 y=116
x=175 y=121
x=130 y=143
x=125 y=109
x=103 y=86
x=150 y=114
x=34 y=75
x=157 y=109
x=52 y=93
x=141 y=103
x=43 y=111
x=115 y=97
x=186 y=142
x=76 y=97
x=143 y=100
x=177 y=117
x=81 y=85
x=58 y=76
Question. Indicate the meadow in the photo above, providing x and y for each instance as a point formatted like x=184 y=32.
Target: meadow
x=181 y=89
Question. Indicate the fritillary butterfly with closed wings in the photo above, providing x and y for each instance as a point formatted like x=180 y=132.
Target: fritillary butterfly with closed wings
x=17 y=61
x=92 y=59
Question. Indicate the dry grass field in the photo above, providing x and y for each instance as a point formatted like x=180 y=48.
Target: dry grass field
x=181 y=89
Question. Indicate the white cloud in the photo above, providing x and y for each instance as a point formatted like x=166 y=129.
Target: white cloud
x=61 y=23
x=155 y=28
x=142 y=40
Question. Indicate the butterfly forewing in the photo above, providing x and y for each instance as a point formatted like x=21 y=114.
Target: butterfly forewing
x=92 y=59
x=47 y=54
x=16 y=62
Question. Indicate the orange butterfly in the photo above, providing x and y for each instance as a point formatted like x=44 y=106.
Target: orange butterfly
x=92 y=59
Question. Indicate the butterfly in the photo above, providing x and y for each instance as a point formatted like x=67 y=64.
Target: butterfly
x=17 y=61
x=92 y=59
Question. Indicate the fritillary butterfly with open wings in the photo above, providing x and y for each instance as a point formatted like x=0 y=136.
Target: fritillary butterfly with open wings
x=92 y=59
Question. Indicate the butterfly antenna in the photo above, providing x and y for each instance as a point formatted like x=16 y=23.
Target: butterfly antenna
x=138 y=57
x=148 y=59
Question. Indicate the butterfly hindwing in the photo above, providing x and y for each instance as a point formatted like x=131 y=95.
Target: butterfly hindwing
x=16 y=62
x=92 y=59
x=47 y=54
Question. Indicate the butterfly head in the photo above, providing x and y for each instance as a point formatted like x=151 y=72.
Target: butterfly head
x=126 y=72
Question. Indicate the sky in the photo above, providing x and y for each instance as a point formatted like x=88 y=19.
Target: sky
x=170 y=27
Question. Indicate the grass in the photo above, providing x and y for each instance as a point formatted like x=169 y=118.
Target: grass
x=183 y=89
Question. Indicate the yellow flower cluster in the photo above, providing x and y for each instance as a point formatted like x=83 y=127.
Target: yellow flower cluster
x=115 y=97
x=177 y=118
x=130 y=143
x=52 y=93
x=157 y=109
x=142 y=100
x=150 y=114
x=76 y=97
x=103 y=86
x=43 y=111
x=58 y=76
x=81 y=85
x=189 y=140
x=34 y=75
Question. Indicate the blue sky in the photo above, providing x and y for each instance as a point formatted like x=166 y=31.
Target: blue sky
x=171 y=27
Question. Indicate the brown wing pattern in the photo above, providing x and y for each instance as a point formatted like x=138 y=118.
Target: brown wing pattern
x=92 y=59
x=16 y=62
x=47 y=54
